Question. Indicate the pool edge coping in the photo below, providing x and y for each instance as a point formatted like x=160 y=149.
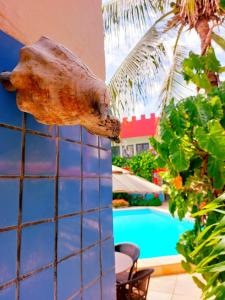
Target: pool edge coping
x=156 y=208
x=163 y=265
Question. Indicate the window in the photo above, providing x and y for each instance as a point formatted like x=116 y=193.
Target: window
x=142 y=147
x=116 y=151
x=128 y=150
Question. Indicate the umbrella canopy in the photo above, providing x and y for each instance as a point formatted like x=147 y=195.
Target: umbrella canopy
x=126 y=182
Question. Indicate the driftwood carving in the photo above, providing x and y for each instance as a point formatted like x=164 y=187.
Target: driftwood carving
x=57 y=88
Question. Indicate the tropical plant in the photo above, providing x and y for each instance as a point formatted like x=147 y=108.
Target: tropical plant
x=204 y=250
x=141 y=201
x=142 y=164
x=119 y=161
x=191 y=145
x=147 y=63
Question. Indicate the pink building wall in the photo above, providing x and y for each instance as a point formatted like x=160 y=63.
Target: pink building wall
x=77 y=24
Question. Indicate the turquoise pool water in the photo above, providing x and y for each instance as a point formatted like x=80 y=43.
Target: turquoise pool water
x=156 y=233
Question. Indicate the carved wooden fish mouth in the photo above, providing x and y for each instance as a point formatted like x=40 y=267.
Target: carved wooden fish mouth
x=56 y=87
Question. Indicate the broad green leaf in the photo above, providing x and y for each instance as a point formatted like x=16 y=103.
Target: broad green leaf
x=212 y=63
x=212 y=141
x=216 y=169
x=166 y=132
x=178 y=122
x=179 y=160
x=217 y=107
x=199 y=110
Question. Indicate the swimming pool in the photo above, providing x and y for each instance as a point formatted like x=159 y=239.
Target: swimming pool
x=156 y=233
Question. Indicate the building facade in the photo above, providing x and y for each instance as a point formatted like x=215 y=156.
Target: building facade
x=56 y=238
x=135 y=135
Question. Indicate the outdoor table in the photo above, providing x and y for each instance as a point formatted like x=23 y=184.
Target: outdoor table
x=123 y=262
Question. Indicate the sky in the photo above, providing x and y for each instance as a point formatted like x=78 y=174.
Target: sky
x=114 y=57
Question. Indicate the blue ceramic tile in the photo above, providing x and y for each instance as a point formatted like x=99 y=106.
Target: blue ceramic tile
x=109 y=286
x=105 y=192
x=90 y=161
x=69 y=236
x=92 y=291
x=108 y=256
x=8 y=293
x=38 y=199
x=76 y=298
x=69 y=196
x=88 y=138
x=38 y=286
x=40 y=155
x=37 y=246
x=9 y=113
x=9 y=55
x=90 y=229
x=10 y=152
x=90 y=193
x=69 y=159
x=8 y=242
x=32 y=124
x=104 y=143
x=106 y=223
x=9 y=202
x=105 y=163
x=91 y=264
x=70 y=132
x=69 y=277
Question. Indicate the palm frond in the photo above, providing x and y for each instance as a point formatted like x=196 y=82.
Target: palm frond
x=128 y=15
x=218 y=40
x=137 y=77
x=174 y=85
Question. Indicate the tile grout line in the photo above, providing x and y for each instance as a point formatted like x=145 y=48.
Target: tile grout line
x=19 y=228
x=81 y=217
x=56 y=215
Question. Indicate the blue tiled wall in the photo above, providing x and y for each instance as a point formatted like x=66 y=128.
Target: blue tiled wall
x=56 y=239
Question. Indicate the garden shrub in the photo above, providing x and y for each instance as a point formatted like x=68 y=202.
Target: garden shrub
x=141 y=201
x=141 y=165
x=124 y=196
x=119 y=161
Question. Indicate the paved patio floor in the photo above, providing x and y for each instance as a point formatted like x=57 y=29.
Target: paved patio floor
x=173 y=287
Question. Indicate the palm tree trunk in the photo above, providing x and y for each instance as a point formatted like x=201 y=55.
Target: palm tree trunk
x=205 y=34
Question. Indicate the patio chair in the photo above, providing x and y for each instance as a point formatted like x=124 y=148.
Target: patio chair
x=136 y=288
x=131 y=250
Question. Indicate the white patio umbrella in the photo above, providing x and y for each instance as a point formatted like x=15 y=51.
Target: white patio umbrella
x=124 y=181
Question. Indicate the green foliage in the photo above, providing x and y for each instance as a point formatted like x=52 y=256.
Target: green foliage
x=141 y=165
x=191 y=146
x=204 y=250
x=141 y=201
x=196 y=67
x=119 y=161
x=121 y=196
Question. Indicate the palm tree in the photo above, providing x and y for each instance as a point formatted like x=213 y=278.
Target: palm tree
x=146 y=63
